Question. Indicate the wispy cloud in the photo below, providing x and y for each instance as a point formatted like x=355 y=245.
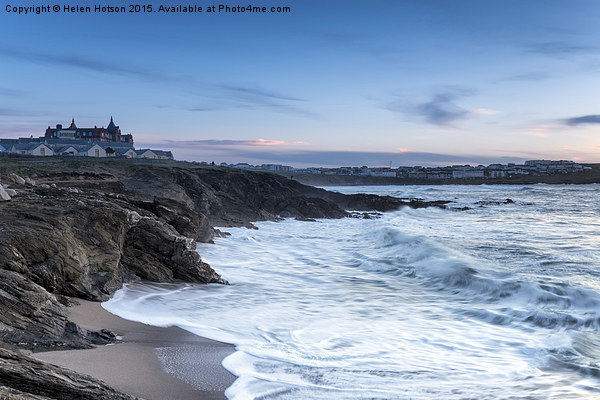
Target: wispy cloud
x=483 y=111
x=560 y=49
x=213 y=97
x=8 y=112
x=226 y=96
x=357 y=158
x=584 y=119
x=85 y=63
x=254 y=92
x=539 y=130
x=13 y=112
x=10 y=92
x=441 y=109
x=203 y=109
x=259 y=151
x=219 y=143
x=526 y=77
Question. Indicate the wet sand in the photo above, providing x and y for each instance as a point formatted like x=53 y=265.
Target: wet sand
x=133 y=366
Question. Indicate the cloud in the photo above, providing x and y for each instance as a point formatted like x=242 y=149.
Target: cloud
x=526 y=77
x=441 y=109
x=11 y=112
x=219 y=143
x=559 y=49
x=248 y=92
x=202 y=109
x=264 y=152
x=225 y=96
x=216 y=97
x=540 y=130
x=86 y=63
x=10 y=92
x=584 y=119
x=483 y=111
x=358 y=158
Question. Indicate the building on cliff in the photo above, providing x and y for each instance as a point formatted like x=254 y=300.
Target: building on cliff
x=34 y=149
x=154 y=154
x=81 y=142
x=112 y=133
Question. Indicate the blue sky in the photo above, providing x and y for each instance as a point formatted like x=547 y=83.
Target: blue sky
x=330 y=83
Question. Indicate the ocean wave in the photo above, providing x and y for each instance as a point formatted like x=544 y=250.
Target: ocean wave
x=491 y=303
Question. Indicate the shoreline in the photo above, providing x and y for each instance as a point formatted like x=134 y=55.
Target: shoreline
x=133 y=365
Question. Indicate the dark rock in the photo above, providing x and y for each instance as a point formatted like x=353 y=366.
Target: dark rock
x=23 y=377
x=154 y=251
x=54 y=243
x=493 y=203
x=35 y=320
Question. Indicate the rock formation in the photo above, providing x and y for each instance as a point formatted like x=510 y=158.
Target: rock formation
x=23 y=377
x=4 y=196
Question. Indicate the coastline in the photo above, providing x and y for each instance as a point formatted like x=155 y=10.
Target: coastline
x=132 y=365
x=82 y=228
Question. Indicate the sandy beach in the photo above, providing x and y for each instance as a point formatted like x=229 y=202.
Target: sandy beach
x=134 y=367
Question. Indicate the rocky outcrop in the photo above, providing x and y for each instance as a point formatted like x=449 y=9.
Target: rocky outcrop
x=23 y=377
x=173 y=257
x=56 y=243
x=4 y=196
x=232 y=197
x=36 y=320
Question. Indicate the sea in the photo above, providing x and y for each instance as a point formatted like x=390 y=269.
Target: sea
x=495 y=297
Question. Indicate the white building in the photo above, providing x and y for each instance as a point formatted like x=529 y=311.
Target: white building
x=467 y=173
x=94 y=150
x=125 y=152
x=32 y=149
x=66 y=151
x=163 y=155
x=145 y=153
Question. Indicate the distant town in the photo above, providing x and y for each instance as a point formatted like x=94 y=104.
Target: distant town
x=75 y=141
x=531 y=168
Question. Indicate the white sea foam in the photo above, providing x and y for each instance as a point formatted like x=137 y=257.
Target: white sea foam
x=497 y=302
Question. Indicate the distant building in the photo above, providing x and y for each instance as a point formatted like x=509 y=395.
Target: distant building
x=32 y=149
x=154 y=154
x=67 y=150
x=243 y=166
x=163 y=155
x=82 y=142
x=112 y=133
x=93 y=150
x=125 y=152
x=275 y=167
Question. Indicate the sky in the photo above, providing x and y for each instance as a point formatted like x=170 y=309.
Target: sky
x=330 y=83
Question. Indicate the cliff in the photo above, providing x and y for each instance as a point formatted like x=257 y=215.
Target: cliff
x=83 y=232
